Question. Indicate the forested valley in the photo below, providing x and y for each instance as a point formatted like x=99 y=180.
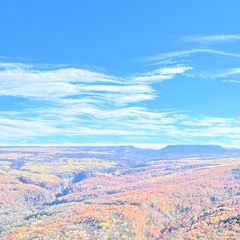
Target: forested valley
x=178 y=192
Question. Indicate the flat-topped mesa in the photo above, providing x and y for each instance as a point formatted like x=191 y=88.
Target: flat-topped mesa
x=193 y=149
x=174 y=152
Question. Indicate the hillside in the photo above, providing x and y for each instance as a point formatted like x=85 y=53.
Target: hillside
x=178 y=192
x=195 y=151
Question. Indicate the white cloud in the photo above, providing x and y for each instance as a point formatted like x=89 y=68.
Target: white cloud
x=139 y=124
x=25 y=74
x=231 y=81
x=226 y=73
x=13 y=65
x=81 y=103
x=15 y=130
x=212 y=38
x=68 y=84
x=151 y=78
x=186 y=53
x=173 y=70
x=77 y=102
x=227 y=128
x=218 y=74
x=161 y=74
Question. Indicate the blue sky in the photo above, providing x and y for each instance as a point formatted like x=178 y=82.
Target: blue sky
x=146 y=73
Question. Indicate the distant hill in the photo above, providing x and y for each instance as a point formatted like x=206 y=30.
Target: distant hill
x=130 y=156
x=199 y=151
x=193 y=149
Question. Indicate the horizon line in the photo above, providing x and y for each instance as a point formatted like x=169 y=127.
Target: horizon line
x=141 y=146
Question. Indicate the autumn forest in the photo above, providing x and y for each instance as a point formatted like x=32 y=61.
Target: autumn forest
x=178 y=192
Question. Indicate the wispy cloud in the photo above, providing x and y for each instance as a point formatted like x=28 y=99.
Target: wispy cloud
x=186 y=53
x=24 y=129
x=161 y=74
x=231 y=81
x=18 y=79
x=77 y=103
x=212 y=38
x=226 y=73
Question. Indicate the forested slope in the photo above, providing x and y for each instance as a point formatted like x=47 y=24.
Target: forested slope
x=113 y=193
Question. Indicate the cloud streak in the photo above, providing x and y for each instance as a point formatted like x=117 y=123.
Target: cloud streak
x=161 y=74
x=186 y=53
x=231 y=81
x=212 y=38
